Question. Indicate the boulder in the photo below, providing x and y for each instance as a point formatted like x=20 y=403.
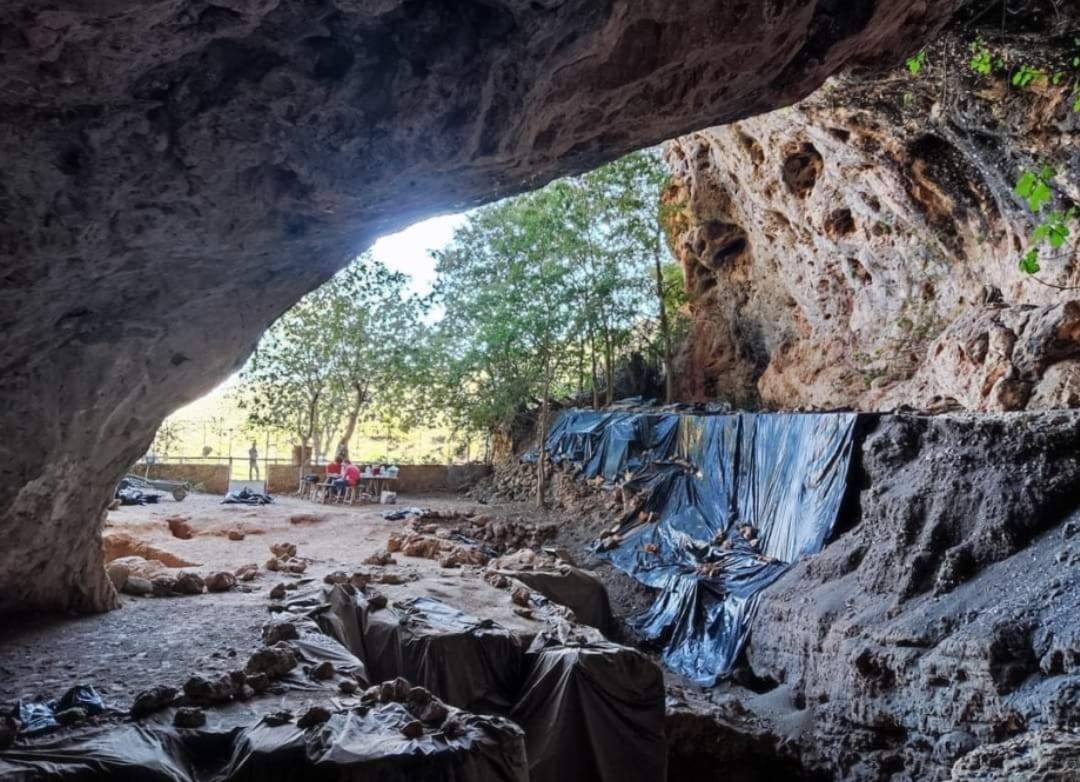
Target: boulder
x=152 y=700
x=137 y=586
x=180 y=528
x=247 y=572
x=316 y=715
x=274 y=661
x=188 y=583
x=118 y=575
x=221 y=581
x=283 y=550
x=272 y=632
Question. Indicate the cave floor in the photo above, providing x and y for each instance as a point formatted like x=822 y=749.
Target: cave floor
x=163 y=640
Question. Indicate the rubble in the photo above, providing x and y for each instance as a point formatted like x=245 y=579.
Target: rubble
x=149 y=701
x=316 y=715
x=221 y=581
x=180 y=528
x=380 y=558
x=277 y=592
x=137 y=586
x=188 y=583
x=323 y=671
x=246 y=572
x=203 y=691
x=272 y=632
x=189 y=717
x=274 y=661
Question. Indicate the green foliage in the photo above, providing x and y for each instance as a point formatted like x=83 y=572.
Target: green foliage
x=543 y=293
x=1051 y=228
x=337 y=350
x=915 y=64
x=982 y=61
x=1034 y=187
x=1025 y=75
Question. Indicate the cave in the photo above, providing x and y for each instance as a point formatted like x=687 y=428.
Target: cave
x=178 y=176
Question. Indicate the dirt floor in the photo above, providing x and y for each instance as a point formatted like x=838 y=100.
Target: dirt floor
x=162 y=640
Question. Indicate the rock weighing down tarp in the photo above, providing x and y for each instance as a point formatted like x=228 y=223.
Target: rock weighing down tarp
x=690 y=480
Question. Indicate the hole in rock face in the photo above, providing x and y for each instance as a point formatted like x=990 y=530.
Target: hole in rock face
x=839 y=223
x=802 y=167
x=727 y=252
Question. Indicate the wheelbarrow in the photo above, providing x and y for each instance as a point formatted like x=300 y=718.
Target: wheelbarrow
x=178 y=489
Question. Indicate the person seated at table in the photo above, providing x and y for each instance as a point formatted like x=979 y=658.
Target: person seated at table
x=350 y=476
x=334 y=467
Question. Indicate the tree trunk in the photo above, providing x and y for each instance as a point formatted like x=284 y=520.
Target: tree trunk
x=592 y=355
x=665 y=327
x=350 y=422
x=609 y=369
x=542 y=433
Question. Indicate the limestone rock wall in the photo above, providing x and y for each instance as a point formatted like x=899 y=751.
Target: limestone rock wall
x=177 y=173
x=944 y=618
x=860 y=248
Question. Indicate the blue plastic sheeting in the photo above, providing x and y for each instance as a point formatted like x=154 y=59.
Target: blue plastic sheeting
x=692 y=482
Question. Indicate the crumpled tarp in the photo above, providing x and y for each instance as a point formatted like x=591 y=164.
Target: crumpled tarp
x=246 y=497
x=690 y=480
x=581 y=592
x=592 y=711
x=36 y=716
x=470 y=663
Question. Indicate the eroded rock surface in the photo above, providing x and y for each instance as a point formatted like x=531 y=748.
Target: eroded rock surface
x=945 y=620
x=177 y=175
x=860 y=248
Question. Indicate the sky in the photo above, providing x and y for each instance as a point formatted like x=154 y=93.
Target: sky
x=409 y=251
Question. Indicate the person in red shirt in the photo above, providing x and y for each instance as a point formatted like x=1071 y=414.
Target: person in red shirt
x=334 y=468
x=350 y=476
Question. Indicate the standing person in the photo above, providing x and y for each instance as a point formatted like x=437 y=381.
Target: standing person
x=253 y=462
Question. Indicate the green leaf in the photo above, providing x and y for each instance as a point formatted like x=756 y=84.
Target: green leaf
x=1029 y=262
x=915 y=64
x=1025 y=185
x=1040 y=196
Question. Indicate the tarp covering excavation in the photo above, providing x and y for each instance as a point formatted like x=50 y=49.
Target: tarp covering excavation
x=592 y=710
x=691 y=481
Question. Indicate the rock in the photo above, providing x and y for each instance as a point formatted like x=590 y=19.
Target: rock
x=283 y=550
x=180 y=528
x=454 y=727
x=412 y=730
x=389 y=579
x=164 y=586
x=247 y=572
x=376 y=600
x=316 y=715
x=305 y=518
x=423 y=547
x=278 y=718
x=380 y=558
x=221 y=581
x=395 y=542
x=323 y=671
x=70 y=716
x=274 y=661
x=273 y=565
x=278 y=592
x=189 y=717
x=118 y=575
x=497 y=580
x=296 y=566
x=520 y=596
x=235 y=534
x=204 y=691
x=258 y=682
x=149 y=701
x=337 y=577
x=272 y=632
x=140 y=587
x=348 y=686
x=189 y=584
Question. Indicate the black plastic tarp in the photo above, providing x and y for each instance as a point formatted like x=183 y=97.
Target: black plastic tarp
x=592 y=711
x=691 y=481
x=581 y=592
x=468 y=662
